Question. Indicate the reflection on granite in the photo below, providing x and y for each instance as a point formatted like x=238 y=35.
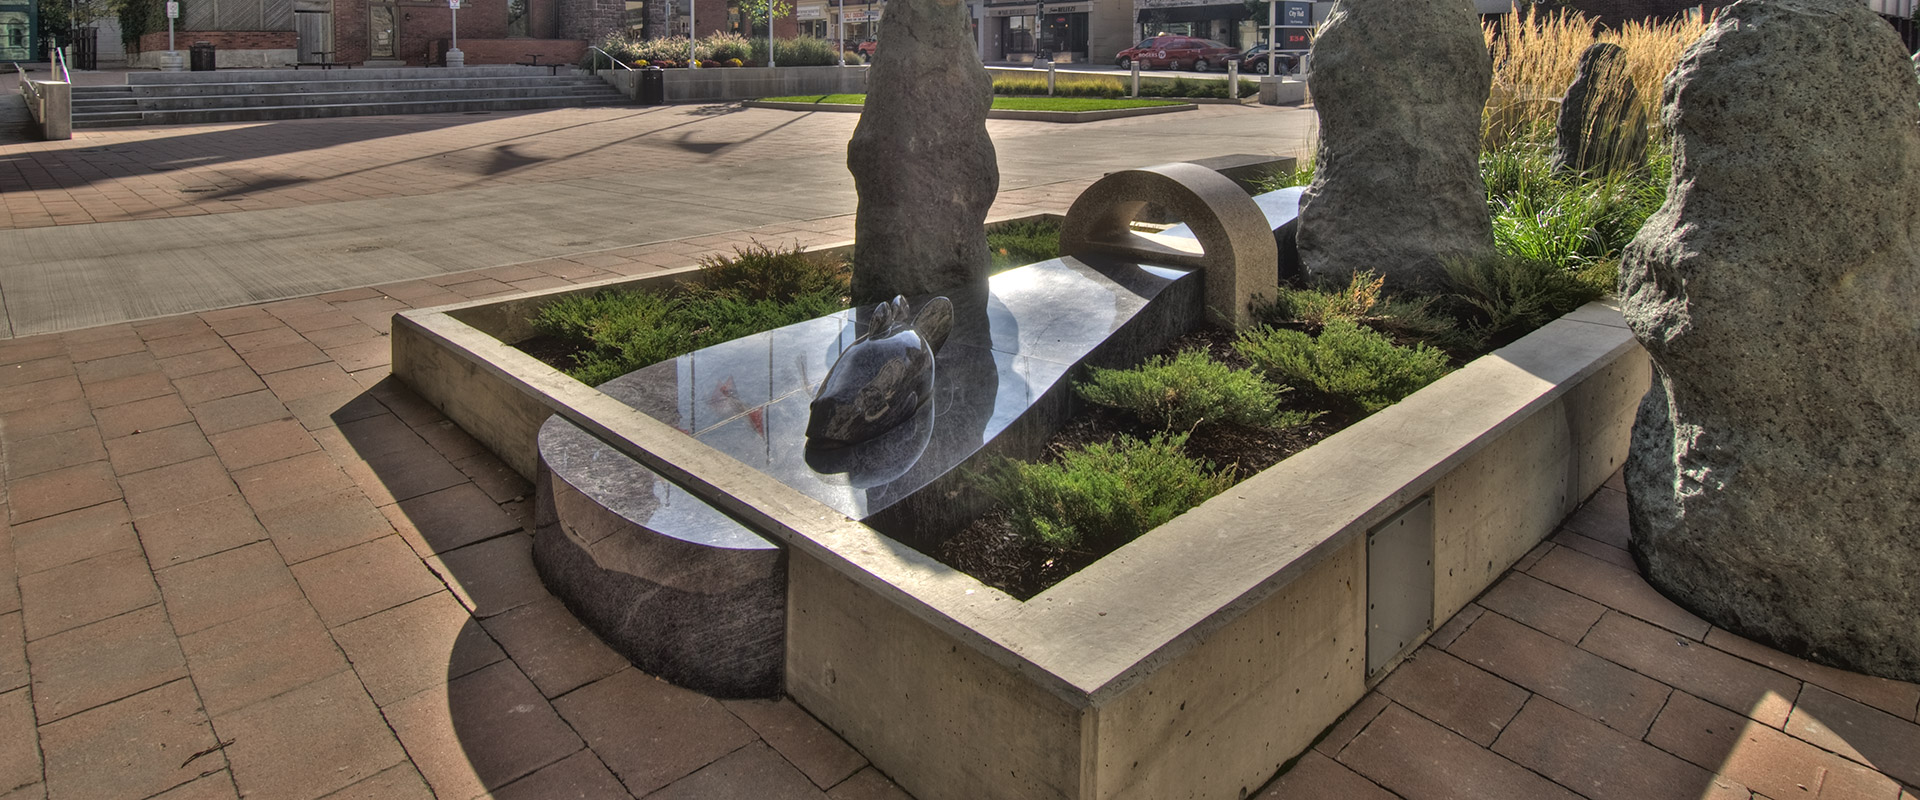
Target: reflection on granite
x=687 y=593
x=883 y=378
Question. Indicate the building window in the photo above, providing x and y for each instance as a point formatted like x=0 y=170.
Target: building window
x=517 y=18
x=635 y=20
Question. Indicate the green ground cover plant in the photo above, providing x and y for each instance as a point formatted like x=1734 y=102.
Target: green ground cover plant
x=1190 y=389
x=1105 y=494
x=1114 y=87
x=1347 y=360
x=611 y=333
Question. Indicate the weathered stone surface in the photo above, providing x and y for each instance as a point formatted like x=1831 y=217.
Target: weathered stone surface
x=1601 y=127
x=921 y=160
x=1772 y=468
x=1399 y=85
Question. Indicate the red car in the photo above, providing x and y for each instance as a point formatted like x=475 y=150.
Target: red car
x=1178 y=52
x=867 y=47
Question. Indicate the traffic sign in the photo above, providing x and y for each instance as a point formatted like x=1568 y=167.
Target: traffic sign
x=173 y=9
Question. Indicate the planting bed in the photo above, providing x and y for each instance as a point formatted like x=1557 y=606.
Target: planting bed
x=1192 y=661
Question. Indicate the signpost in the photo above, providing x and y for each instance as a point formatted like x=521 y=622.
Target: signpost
x=455 y=58
x=1289 y=29
x=172 y=60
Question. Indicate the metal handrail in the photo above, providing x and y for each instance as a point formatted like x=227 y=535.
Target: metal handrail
x=595 y=66
x=59 y=61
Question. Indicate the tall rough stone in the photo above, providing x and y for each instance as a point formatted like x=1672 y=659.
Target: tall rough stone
x=1601 y=127
x=1399 y=85
x=1772 y=471
x=921 y=160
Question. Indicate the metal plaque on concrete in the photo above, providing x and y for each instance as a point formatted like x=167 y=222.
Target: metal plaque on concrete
x=1399 y=583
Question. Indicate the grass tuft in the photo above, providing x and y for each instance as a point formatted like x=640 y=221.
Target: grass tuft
x=1512 y=294
x=613 y=333
x=1017 y=244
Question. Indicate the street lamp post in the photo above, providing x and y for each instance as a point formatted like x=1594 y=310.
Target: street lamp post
x=840 y=29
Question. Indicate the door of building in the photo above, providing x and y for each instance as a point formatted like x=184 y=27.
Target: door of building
x=315 y=31
x=383 y=30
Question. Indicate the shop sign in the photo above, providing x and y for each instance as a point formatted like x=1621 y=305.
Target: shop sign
x=810 y=12
x=1028 y=11
x=1175 y=3
x=861 y=16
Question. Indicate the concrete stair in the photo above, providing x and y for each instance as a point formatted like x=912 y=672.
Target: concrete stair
x=170 y=98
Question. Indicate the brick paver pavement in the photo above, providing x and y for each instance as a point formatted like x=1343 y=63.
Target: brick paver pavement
x=237 y=558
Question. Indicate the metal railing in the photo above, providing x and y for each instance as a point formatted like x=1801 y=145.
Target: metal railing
x=50 y=101
x=59 y=61
x=594 y=65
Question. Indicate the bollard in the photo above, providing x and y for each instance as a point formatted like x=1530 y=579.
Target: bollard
x=1049 y=77
x=1233 y=79
x=1136 y=79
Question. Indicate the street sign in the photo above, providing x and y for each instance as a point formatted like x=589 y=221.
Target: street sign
x=1297 y=15
x=173 y=9
x=453 y=4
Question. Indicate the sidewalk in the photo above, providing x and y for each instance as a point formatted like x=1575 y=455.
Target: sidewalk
x=126 y=224
x=238 y=558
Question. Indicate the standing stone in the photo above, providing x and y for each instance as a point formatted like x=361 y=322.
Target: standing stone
x=920 y=157
x=1399 y=85
x=1772 y=474
x=1601 y=127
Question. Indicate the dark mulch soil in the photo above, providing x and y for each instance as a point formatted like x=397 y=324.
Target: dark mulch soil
x=551 y=350
x=991 y=550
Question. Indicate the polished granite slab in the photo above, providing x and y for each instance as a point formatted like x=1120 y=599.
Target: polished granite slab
x=688 y=594
x=748 y=397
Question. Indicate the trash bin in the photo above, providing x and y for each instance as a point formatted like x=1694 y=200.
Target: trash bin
x=201 y=57
x=653 y=86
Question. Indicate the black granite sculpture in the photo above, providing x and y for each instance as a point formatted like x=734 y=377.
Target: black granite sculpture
x=883 y=377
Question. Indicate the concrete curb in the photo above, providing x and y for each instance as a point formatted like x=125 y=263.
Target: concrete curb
x=1030 y=116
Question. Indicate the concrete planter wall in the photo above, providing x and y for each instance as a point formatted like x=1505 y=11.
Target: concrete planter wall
x=745 y=83
x=1192 y=662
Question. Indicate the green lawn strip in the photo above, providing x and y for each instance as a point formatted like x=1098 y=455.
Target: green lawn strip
x=821 y=99
x=1004 y=103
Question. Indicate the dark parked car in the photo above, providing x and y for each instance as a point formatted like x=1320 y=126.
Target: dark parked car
x=1255 y=60
x=1177 y=52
